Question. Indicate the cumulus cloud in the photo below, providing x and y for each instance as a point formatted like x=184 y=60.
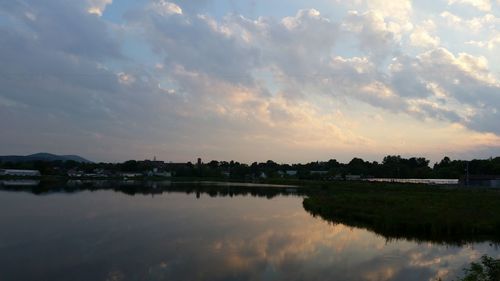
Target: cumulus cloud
x=165 y=8
x=421 y=38
x=199 y=44
x=376 y=36
x=485 y=23
x=60 y=26
x=482 y=5
x=489 y=44
x=465 y=82
x=98 y=6
x=400 y=11
x=282 y=81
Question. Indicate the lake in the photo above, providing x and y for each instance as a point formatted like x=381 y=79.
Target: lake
x=181 y=233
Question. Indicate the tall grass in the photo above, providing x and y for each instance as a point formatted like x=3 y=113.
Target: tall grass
x=415 y=212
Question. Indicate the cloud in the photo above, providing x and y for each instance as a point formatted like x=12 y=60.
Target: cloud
x=198 y=44
x=175 y=75
x=53 y=72
x=166 y=8
x=489 y=44
x=421 y=37
x=487 y=22
x=376 y=36
x=482 y=5
x=465 y=80
x=400 y=11
x=98 y=6
x=61 y=26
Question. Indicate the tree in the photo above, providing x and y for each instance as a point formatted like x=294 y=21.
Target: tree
x=488 y=269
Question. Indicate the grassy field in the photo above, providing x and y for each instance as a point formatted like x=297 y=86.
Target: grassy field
x=415 y=212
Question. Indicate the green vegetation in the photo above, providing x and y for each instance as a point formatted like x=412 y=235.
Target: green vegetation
x=416 y=212
x=487 y=269
x=389 y=167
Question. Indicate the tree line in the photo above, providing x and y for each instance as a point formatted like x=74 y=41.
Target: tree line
x=392 y=166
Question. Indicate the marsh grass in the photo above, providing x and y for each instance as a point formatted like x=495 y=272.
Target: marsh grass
x=414 y=212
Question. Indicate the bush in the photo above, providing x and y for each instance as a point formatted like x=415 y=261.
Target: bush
x=488 y=269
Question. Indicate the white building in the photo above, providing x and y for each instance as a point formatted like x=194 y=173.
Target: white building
x=163 y=174
x=19 y=173
x=291 y=173
x=132 y=175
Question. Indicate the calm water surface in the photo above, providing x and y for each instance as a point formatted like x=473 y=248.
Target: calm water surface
x=108 y=235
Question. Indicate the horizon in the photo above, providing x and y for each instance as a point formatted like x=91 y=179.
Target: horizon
x=250 y=80
x=206 y=161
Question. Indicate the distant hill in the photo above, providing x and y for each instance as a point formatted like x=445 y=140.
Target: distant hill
x=42 y=157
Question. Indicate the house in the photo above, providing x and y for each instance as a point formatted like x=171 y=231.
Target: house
x=75 y=173
x=19 y=173
x=291 y=173
x=156 y=173
x=164 y=174
x=132 y=175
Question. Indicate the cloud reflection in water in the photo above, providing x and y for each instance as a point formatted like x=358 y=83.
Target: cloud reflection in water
x=111 y=236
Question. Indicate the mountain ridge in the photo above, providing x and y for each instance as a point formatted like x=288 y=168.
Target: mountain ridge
x=42 y=156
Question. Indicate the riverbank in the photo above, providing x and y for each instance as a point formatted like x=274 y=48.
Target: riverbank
x=418 y=212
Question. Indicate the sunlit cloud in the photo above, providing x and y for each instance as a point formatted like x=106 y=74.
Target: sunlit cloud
x=232 y=83
x=98 y=6
x=482 y=5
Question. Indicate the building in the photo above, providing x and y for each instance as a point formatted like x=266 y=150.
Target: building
x=132 y=175
x=19 y=173
x=156 y=173
x=291 y=173
x=164 y=174
x=18 y=182
x=73 y=173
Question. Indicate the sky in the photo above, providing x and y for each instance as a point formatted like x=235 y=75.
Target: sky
x=293 y=81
